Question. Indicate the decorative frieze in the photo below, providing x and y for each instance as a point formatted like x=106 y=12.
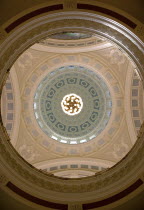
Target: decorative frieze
x=3 y=180
x=70 y=4
x=108 y=179
x=140 y=31
x=75 y=207
x=2 y=34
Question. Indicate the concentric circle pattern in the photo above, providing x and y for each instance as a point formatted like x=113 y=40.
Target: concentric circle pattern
x=79 y=128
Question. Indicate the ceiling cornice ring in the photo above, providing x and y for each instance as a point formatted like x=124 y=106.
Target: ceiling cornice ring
x=125 y=171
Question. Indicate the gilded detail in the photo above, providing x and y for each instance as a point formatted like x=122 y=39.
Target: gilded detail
x=72 y=104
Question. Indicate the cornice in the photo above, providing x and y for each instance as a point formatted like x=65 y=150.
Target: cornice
x=30 y=179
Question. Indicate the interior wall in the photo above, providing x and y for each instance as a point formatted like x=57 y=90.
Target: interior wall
x=9 y=9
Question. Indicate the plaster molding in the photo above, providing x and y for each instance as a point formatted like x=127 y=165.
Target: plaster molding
x=116 y=178
x=140 y=31
x=3 y=180
x=74 y=160
x=75 y=207
x=70 y=4
x=3 y=34
x=49 y=64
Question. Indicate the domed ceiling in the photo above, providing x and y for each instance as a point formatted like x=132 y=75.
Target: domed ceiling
x=73 y=104
x=54 y=104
